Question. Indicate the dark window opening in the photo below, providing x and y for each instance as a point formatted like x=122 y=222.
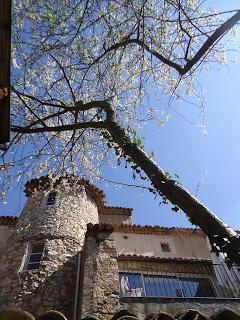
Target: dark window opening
x=165 y=247
x=51 y=198
x=35 y=256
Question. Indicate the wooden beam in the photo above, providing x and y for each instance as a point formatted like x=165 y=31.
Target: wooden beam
x=5 y=56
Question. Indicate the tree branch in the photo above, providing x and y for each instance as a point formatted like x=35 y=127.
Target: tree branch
x=139 y=42
x=45 y=103
x=69 y=127
x=224 y=28
x=218 y=33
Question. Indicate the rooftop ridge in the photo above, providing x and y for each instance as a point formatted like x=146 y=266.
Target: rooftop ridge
x=115 y=210
x=43 y=183
x=8 y=220
x=135 y=257
x=145 y=229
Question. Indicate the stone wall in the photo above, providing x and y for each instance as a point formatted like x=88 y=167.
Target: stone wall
x=99 y=296
x=62 y=228
x=5 y=232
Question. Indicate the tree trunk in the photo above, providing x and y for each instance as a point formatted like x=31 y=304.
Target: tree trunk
x=221 y=236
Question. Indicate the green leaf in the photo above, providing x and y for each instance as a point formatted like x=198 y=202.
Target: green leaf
x=151 y=154
x=134 y=167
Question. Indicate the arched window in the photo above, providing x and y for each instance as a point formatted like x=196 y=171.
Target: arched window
x=51 y=198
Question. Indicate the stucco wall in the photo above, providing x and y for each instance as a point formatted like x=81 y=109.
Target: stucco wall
x=5 y=232
x=115 y=219
x=188 y=246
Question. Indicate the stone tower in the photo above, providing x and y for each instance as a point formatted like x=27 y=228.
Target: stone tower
x=39 y=267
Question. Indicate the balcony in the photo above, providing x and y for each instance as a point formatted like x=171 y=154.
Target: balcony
x=176 y=278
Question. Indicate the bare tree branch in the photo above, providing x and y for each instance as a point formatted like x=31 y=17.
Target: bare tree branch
x=224 y=28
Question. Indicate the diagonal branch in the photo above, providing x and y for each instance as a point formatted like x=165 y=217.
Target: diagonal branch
x=224 y=28
x=45 y=103
x=219 y=233
x=30 y=110
x=208 y=44
x=142 y=44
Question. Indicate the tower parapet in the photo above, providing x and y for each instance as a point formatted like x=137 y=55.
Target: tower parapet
x=39 y=268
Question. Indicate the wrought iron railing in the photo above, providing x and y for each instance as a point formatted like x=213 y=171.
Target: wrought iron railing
x=181 y=279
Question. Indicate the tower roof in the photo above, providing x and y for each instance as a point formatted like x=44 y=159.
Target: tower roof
x=46 y=182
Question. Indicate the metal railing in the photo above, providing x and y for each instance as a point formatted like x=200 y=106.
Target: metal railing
x=190 y=280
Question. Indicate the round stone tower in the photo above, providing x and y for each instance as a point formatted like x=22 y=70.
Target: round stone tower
x=41 y=263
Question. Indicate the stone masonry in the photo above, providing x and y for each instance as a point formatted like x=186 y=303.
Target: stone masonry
x=99 y=294
x=62 y=229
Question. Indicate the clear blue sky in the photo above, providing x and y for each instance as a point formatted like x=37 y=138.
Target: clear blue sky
x=182 y=148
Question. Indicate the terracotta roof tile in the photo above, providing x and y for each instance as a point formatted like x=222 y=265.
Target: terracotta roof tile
x=115 y=210
x=8 y=220
x=142 y=229
x=156 y=229
x=134 y=257
x=218 y=312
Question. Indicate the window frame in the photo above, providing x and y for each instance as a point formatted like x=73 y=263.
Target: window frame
x=31 y=253
x=177 y=276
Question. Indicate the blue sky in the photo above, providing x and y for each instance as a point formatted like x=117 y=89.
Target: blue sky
x=182 y=148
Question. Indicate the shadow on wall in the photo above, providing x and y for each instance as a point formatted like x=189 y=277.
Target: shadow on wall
x=225 y=314
x=56 y=291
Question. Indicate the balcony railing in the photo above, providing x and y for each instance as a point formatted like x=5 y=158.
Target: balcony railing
x=182 y=279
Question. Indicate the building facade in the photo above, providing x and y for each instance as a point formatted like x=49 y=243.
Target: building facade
x=69 y=256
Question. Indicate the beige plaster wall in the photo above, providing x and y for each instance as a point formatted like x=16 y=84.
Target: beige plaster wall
x=192 y=246
x=115 y=219
x=188 y=246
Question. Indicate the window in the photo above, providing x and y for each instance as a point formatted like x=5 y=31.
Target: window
x=196 y=287
x=35 y=255
x=161 y=286
x=131 y=284
x=51 y=198
x=165 y=247
x=142 y=284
